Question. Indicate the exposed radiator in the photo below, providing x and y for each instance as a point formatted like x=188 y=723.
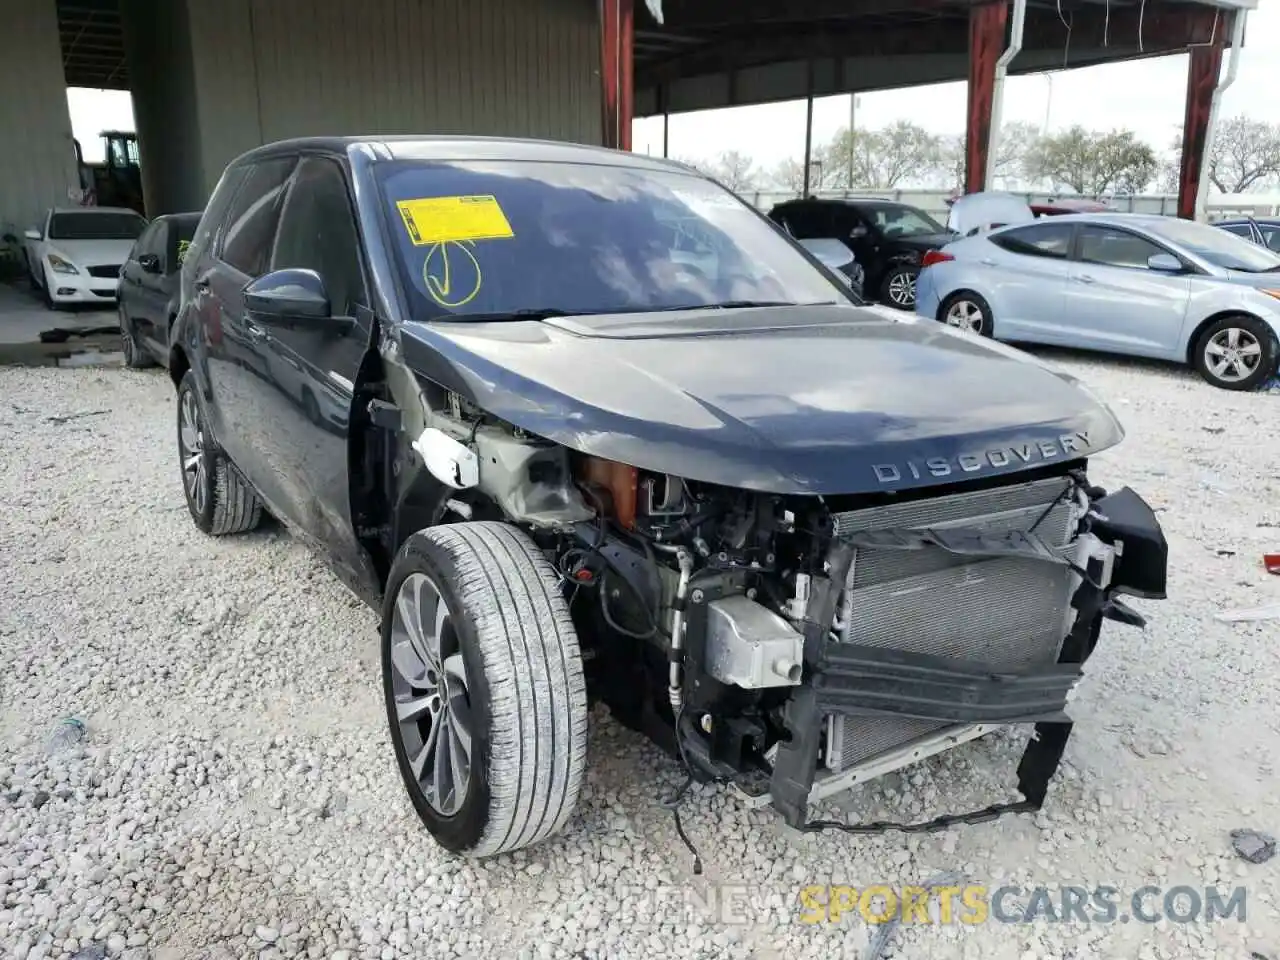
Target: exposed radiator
x=1004 y=612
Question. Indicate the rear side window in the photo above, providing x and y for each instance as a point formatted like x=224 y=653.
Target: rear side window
x=806 y=221
x=251 y=220
x=146 y=242
x=153 y=240
x=215 y=212
x=1045 y=239
x=1271 y=235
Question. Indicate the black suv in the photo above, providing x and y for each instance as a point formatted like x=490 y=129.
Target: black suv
x=580 y=420
x=887 y=238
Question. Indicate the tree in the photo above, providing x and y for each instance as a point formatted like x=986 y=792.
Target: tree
x=789 y=174
x=1016 y=142
x=1093 y=163
x=1243 y=154
x=883 y=159
x=736 y=171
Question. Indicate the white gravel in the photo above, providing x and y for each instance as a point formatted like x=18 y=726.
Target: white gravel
x=236 y=794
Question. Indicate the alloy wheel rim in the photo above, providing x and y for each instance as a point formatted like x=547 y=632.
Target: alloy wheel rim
x=431 y=694
x=902 y=289
x=126 y=339
x=965 y=315
x=1233 y=354
x=191 y=448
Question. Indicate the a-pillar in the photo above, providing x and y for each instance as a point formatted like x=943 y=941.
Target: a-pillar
x=1203 y=69
x=987 y=22
x=617 y=72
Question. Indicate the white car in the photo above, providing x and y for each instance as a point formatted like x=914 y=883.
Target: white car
x=77 y=253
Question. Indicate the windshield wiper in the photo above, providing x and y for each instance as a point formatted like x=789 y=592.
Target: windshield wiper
x=531 y=313
x=738 y=305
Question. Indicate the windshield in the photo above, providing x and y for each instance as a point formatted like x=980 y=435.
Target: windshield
x=497 y=237
x=896 y=220
x=1217 y=246
x=96 y=226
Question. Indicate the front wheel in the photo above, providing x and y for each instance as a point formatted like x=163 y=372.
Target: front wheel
x=968 y=312
x=484 y=688
x=898 y=288
x=1236 y=353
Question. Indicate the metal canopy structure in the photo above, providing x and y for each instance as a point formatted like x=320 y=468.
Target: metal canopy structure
x=92 y=38
x=710 y=54
x=722 y=53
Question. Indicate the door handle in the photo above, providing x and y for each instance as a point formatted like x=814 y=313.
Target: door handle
x=255 y=332
x=1084 y=278
x=988 y=261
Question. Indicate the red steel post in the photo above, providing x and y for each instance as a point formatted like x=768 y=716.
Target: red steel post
x=617 y=72
x=987 y=23
x=1203 y=69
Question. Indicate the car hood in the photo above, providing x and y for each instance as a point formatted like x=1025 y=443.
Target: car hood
x=815 y=400
x=91 y=253
x=1265 y=281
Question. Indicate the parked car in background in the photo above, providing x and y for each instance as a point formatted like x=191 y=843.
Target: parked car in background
x=1144 y=285
x=604 y=427
x=1047 y=208
x=985 y=211
x=839 y=259
x=1264 y=231
x=149 y=288
x=75 y=255
x=887 y=238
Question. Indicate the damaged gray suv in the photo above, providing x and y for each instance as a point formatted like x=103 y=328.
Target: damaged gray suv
x=582 y=424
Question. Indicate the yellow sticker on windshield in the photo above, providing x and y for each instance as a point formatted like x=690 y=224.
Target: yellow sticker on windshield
x=443 y=219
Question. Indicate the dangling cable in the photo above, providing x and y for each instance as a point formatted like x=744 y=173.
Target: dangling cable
x=672 y=803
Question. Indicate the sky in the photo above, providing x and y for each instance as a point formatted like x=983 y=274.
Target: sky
x=1145 y=96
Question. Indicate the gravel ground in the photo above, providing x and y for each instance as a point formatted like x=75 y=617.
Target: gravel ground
x=236 y=794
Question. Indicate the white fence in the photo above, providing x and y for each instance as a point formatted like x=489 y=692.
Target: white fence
x=934 y=202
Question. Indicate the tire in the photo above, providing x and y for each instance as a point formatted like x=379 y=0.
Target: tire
x=220 y=501
x=135 y=356
x=1248 y=340
x=966 y=310
x=898 y=288
x=506 y=669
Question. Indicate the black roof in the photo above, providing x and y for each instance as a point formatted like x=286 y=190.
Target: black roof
x=848 y=201
x=424 y=147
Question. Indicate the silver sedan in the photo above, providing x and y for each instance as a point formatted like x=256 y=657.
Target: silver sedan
x=1150 y=286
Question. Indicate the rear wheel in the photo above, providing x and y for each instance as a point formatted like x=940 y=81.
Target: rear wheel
x=134 y=354
x=220 y=501
x=1236 y=353
x=484 y=689
x=966 y=310
x=898 y=288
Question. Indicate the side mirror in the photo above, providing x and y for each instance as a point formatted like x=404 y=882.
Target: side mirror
x=286 y=295
x=33 y=234
x=1164 y=262
x=149 y=262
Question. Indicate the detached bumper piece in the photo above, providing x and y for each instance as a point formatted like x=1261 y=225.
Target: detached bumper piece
x=878 y=681
x=968 y=697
